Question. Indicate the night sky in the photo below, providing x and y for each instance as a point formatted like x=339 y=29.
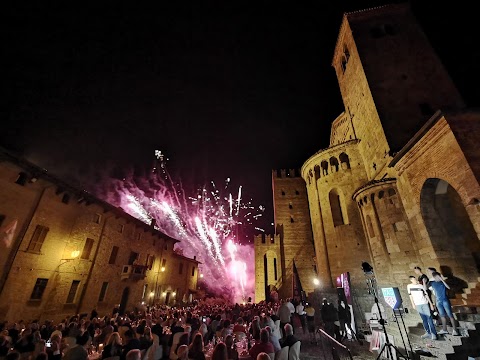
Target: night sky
x=227 y=89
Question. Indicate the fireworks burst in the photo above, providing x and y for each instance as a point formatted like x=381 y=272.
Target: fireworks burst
x=207 y=223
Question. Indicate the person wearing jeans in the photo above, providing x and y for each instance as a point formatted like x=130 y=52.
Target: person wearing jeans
x=422 y=303
x=443 y=303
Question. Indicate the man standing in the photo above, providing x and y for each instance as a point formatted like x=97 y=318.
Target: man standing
x=310 y=315
x=284 y=315
x=300 y=310
x=443 y=303
x=329 y=316
x=421 y=302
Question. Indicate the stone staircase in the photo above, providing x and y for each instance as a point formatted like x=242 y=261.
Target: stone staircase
x=446 y=347
x=470 y=295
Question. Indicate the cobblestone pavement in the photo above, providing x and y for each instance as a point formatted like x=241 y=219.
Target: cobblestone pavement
x=310 y=351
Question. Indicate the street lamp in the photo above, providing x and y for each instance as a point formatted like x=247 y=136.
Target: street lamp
x=316 y=282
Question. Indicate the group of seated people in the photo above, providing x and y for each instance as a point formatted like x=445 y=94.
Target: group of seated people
x=147 y=334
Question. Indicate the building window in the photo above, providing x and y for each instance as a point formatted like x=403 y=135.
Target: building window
x=39 y=289
x=87 y=249
x=317 y=172
x=132 y=258
x=275 y=267
x=65 y=198
x=113 y=255
x=297 y=192
x=193 y=270
x=145 y=287
x=2 y=218
x=290 y=206
x=346 y=52
x=166 y=246
x=291 y=219
x=336 y=208
x=164 y=262
x=21 y=179
x=73 y=291
x=180 y=268
x=97 y=218
x=103 y=291
x=139 y=236
x=150 y=260
x=272 y=240
x=120 y=228
x=37 y=239
x=283 y=193
x=344 y=64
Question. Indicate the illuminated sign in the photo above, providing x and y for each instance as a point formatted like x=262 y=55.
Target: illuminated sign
x=392 y=297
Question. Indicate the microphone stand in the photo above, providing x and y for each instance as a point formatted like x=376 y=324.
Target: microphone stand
x=387 y=345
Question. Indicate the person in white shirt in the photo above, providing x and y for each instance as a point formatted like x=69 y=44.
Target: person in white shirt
x=300 y=310
x=421 y=302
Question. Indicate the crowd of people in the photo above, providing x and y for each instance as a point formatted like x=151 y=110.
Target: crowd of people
x=149 y=334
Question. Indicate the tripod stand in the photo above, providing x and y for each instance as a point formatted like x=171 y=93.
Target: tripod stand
x=387 y=346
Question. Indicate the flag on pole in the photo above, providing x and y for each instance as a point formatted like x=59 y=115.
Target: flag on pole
x=297 y=289
x=7 y=232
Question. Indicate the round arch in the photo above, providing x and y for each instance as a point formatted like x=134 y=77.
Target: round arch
x=450 y=230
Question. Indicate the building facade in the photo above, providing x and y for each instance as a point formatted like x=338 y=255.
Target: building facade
x=397 y=186
x=292 y=243
x=65 y=252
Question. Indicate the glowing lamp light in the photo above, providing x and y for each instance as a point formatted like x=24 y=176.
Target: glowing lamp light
x=75 y=254
x=152 y=293
x=316 y=281
x=163 y=269
x=174 y=293
x=201 y=275
x=164 y=294
x=143 y=302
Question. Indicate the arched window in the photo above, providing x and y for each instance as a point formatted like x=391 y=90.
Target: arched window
x=346 y=52
x=334 y=164
x=344 y=64
x=391 y=192
x=317 y=172
x=344 y=161
x=324 y=166
x=336 y=208
x=371 y=232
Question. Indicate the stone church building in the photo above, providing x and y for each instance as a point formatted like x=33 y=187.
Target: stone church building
x=397 y=186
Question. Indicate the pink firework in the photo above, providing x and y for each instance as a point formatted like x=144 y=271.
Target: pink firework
x=207 y=223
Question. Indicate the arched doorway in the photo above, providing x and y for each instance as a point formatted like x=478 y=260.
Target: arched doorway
x=124 y=300
x=450 y=230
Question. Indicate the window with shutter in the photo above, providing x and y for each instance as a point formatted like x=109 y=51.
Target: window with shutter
x=73 y=291
x=87 y=249
x=113 y=255
x=37 y=239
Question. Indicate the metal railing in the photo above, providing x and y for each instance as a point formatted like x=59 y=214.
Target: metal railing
x=332 y=349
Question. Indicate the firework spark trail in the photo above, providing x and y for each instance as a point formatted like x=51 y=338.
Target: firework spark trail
x=203 y=222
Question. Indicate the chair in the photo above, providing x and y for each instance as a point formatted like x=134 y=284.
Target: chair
x=282 y=354
x=272 y=356
x=276 y=330
x=294 y=351
x=176 y=338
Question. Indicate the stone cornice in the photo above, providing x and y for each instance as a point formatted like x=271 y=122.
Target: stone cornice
x=372 y=184
x=326 y=151
x=416 y=150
